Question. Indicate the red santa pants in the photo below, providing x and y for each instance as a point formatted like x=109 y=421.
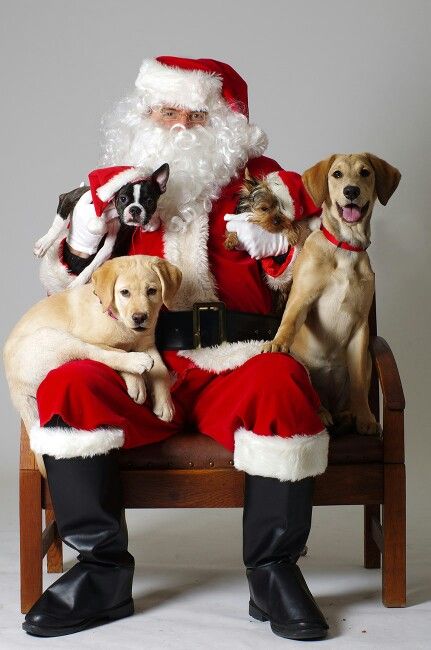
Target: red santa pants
x=265 y=411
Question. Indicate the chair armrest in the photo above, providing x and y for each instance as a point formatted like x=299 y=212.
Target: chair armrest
x=389 y=377
x=393 y=400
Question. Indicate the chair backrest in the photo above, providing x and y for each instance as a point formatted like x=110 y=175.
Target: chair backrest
x=374 y=393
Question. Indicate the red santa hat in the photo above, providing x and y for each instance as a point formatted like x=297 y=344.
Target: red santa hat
x=196 y=84
x=105 y=182
x=295 y=202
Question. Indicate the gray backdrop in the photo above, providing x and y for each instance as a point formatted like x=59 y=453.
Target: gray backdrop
x=323 y=77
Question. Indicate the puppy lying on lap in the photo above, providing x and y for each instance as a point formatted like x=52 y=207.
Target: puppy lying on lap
x=325 y=322
x=111 y=320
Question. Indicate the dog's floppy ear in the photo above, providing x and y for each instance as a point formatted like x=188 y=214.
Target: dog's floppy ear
x=160 y=176
x=103 y=280
x=170 y=277
x=315 y=180
x=387 y=178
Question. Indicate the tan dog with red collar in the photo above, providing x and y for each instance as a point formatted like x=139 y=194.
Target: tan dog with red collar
x=325 y=323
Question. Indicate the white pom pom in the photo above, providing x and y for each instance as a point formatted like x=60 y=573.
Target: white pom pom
x=96 y=225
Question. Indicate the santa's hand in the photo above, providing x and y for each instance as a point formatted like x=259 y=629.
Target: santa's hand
x=257 y=241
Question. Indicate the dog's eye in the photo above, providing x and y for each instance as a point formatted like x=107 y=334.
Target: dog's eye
x=125 y=293
x=337 y=174
x=149 y=204
x=123 y=199
x=364 y=172
x=151 y=291
x=264 y=208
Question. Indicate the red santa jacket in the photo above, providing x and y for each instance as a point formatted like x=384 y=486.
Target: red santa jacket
x=211 y=272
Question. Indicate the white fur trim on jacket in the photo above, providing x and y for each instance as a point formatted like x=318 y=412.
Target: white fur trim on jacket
x=163 y=84
x=54 y=276
x=225 y=356
x=188 y=249
x=133 y=175
x=287 y=459
x=282 y=193
x=64 y=442
x=283 y=280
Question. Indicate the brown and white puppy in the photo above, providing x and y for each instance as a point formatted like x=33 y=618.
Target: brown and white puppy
x=111 y=320
x=325 y=323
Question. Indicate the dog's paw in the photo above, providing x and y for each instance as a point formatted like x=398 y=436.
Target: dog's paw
x=367 y=425
x=138 y=362
x=41 y=246
x=164 y=409
x=325 y=416
x=135 y=385
x=277 y=345
x=345 y=417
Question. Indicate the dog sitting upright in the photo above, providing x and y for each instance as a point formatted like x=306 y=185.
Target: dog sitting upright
x=325 y=323
x=97 y=219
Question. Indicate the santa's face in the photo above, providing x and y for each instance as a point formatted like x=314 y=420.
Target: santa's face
x=168 y=116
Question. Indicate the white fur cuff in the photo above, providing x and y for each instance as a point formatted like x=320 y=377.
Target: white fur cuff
x=288 y=459
x=64 y=442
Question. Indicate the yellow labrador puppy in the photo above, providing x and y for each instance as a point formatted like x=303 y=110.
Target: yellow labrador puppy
x=111 y=320
x=325 y=323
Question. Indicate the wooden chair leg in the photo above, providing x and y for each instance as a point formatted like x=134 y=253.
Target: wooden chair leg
x=54 y=556
x=30 y=523
x=371 y=550
x=394 y=536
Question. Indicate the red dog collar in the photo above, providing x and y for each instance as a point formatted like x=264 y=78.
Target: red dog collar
x=340 y=244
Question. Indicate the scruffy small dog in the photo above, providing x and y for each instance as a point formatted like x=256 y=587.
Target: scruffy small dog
x=257 y=197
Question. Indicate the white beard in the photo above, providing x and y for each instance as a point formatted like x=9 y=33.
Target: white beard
x=202 y=161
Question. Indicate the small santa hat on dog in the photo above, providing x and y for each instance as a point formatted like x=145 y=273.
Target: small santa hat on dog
x=295 y=202
x=105 y=182
x=196 y=84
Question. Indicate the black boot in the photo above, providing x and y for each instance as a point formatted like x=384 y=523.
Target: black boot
x=276 y=525
x=90 y=518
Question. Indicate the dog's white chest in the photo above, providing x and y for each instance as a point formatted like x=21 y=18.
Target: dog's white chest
x=344 y=301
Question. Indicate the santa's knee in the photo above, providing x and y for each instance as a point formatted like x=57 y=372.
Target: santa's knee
x=276 y=371
x=75 y=382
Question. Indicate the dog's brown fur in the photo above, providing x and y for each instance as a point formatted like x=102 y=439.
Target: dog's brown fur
x=325 y=323
x=256 y=197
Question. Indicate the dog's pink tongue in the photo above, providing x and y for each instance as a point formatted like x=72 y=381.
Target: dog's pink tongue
x=351 y=214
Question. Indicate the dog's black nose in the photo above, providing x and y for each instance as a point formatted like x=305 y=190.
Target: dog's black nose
x=351 y=192
x=139 y=318
x=135 y=211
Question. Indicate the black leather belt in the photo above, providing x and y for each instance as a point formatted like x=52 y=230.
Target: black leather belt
x=210 y=323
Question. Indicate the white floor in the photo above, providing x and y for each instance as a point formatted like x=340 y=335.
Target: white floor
x=190 y=589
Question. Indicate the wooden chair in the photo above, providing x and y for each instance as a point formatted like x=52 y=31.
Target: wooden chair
x=190 y=470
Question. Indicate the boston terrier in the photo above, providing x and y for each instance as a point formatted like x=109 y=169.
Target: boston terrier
x=91 y=240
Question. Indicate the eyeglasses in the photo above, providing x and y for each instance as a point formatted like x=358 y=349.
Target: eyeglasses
x=170 y=114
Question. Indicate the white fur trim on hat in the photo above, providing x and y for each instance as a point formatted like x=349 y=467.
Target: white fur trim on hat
x=64 y=442
x=164 y=84
x=133 y=175
x=287 y=459
x=282 y=193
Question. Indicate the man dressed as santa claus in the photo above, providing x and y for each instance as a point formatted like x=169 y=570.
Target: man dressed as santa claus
x=192 y=114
